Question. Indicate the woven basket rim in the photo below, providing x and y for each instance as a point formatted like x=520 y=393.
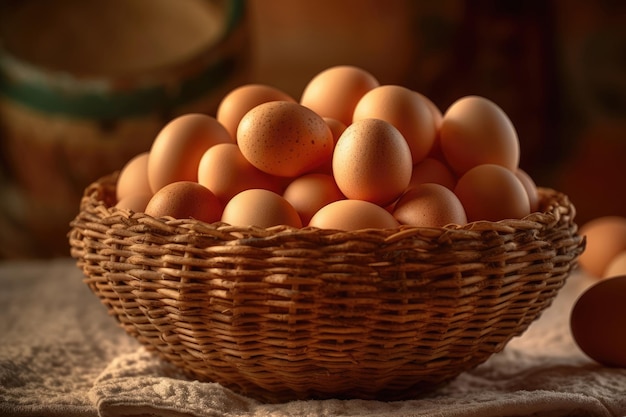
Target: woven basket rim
x=553 y=204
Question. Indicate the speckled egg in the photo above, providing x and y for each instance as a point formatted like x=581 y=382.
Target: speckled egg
x=284 y=138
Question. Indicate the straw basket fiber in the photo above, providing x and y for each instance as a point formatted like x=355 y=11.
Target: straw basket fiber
x=281 y=313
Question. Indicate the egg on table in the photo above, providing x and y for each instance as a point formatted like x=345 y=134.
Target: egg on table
x=598 y=321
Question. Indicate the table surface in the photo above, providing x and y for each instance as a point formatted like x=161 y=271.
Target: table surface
x=61 y=354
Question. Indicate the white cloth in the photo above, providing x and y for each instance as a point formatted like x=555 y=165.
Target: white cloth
x=61 y=355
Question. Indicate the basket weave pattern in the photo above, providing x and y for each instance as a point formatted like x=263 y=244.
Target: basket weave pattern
x=283 y=313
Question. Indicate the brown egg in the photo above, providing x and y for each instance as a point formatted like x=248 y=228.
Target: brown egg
x=372 y=162
x=429 y=205
x=350 y=215
x=183 y=200
x=617 y=266
x=606 y=238
x=436 y=112
x=133 y=178
x=492 y=192
x=225 y=171
x=598 y=321
x=310 y=192
x=177 y=149
x=476 y=131
x=262 y=208
x=407 y=110
x=241 y=100
x=336 y=128
x=435 y=150
x=134 y=202
x=531 y=189
x=432 y=170
x=335 y=91
x=284 y=138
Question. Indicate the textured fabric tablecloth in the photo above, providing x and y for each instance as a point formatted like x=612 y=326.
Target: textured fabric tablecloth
x=62 y=355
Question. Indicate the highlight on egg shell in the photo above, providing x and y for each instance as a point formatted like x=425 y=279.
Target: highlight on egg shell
x=429 y=205
x=476 y=131
x=406 y=110
x=260 y=208
x=177 y=149
x=242 y=99
x=492 y=192
x=184 y=200
x=351 y=215
x=284 y=138
x=225 y=171
x=335 y=91
x=372 y=162
x=133 y=178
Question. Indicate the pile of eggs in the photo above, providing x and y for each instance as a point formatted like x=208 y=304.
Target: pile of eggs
x=354 y=154
x=598 y=318
x=350 y=154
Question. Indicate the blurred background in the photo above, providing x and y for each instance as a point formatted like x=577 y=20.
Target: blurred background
x=84 y=86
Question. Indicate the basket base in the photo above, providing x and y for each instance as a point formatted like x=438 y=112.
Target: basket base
x=323 y=385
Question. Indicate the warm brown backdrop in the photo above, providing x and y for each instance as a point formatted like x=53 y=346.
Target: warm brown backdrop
x=558 y=68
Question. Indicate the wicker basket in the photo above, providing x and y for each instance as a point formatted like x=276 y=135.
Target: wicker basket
x=281 y=313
